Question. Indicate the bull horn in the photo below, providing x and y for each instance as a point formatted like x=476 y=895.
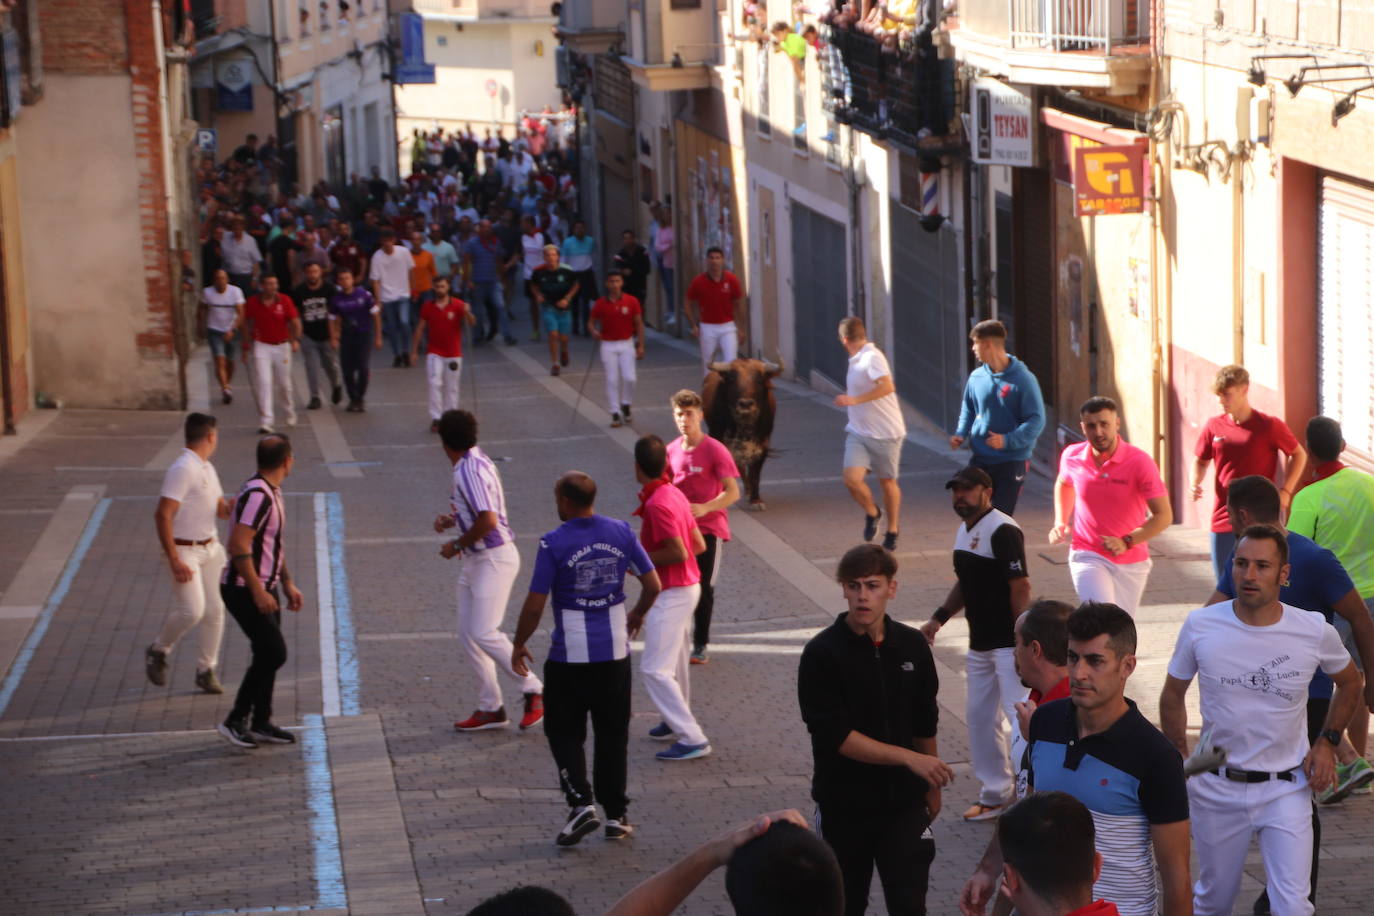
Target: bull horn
x=721 y=367
x=777 y=368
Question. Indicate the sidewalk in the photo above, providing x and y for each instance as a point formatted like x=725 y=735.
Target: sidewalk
x=382 y=808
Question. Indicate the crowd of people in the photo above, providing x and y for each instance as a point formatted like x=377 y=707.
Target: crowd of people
x=1277 y=650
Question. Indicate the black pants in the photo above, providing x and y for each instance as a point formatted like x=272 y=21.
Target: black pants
x=707 y=560
x=1007 y=478
x=893 y=841
x=254 y=700
x=355 y=354
x=571 y=693
x=586 y=296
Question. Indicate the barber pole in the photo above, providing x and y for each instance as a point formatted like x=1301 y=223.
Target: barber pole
x=930 y=194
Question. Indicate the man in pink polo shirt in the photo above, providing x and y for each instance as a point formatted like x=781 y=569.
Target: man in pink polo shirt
x=703 y=469
x=1109 y=497
x=672 y=539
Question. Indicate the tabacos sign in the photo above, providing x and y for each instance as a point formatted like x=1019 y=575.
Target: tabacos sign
x=1109 y=179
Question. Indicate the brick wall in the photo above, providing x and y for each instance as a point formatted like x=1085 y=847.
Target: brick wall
x=86 y=36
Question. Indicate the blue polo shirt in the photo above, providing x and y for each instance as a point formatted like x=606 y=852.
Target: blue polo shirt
x=486 y=259
x=581 y=565
x=1316 y=582
x=1128 y=776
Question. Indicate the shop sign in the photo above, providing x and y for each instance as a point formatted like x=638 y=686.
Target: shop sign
x=1003 y=126
x=1109 y=179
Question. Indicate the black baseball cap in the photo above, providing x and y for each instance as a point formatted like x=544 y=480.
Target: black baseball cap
x=969 y=477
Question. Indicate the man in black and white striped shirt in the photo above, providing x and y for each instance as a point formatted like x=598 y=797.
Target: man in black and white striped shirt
x=257 y=564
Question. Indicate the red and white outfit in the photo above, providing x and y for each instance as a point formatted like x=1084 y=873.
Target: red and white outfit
x=665 y=661
x=272 y=355
x=194 y=484
x=716 y=300
x=616 y=320
x=444 y=358
x=1109 y=500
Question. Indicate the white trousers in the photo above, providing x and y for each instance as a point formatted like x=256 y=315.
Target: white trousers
x=443 y=383
x=1097 y=578
x=665 y=661
x=993 y=690
x=1225 y=816
x=718 y=336
x=484 y=585
x=272 y=372
x=618 y=359
x=197 y=602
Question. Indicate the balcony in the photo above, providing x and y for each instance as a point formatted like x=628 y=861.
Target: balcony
x=673 y=44
x=906 y=96
x=591 y=26
x=483 y=10
x=1082 y=44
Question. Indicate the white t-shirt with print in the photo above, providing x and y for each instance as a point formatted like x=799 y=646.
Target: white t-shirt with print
x=221 y=307
x=880 y=418
x=1253 y=680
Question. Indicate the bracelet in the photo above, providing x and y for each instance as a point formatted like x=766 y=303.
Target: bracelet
x=942 y=616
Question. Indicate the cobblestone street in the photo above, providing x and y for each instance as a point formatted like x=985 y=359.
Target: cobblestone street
x=118 y=796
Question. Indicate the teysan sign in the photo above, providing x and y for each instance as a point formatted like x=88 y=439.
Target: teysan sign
x=1003 y=129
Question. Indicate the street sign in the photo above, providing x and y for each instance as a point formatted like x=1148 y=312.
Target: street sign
x=492 y=88
x=207 y=140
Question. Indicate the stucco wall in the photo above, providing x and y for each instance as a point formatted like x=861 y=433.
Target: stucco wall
x=83 y=249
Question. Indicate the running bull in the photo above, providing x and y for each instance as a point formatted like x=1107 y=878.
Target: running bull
x=739 y=409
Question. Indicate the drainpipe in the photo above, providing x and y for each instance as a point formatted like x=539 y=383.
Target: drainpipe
x=172 y=214
x=6 y=355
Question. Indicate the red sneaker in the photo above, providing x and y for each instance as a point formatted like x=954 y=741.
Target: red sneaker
x=534 y=710
x=480 y=720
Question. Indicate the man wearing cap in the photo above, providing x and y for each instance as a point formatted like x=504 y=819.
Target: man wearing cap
x=991 y=583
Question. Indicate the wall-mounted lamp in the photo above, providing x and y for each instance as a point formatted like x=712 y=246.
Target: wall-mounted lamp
x=1346 y=104
x=1300 y=79
x=1257 y=75
x=539 y=48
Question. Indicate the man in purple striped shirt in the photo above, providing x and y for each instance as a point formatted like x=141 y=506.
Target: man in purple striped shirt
x=490 y=564
x=257 y=564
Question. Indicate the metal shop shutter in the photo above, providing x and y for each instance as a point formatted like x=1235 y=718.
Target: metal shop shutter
x=1345 y=308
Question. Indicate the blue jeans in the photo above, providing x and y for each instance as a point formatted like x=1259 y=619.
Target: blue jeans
x=488 y=296
x=1007 y=478
x=396 y=325
x=665 y=274
x=1223 y=545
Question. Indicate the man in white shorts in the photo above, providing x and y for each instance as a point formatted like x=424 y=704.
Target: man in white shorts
x=876 y=430
x=191 y=500
x=1253 y=658
x=1109 y=500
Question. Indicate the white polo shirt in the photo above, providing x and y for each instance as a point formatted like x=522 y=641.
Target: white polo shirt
x=392 y=273
x=876 y=419
x=194 y=483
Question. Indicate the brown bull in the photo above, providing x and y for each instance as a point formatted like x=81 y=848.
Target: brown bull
x=739 y=407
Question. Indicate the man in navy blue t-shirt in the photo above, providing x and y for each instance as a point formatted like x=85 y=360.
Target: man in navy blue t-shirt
x=582 y=564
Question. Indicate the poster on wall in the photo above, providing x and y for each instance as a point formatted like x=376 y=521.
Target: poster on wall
x=1109 y=180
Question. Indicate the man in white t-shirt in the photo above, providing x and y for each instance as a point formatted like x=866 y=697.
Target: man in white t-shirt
x=875 y=432
x=191 y=500
x=223 y=305
x=390 y=276
x=1253 y=658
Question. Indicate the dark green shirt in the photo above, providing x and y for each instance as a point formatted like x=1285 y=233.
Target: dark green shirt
x=553 y=283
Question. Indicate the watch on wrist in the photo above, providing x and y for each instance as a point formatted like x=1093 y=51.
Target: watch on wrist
x=1330 y=734
x=1128 y=540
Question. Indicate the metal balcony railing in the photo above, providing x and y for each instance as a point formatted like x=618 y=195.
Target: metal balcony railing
x=1079 y=25
x=898 y=96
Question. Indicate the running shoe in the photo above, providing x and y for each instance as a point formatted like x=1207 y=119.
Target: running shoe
x=554 y=370
x=207 y=681
x=616 y=422
x=699 y=656
x=871 y=525
x=680 y=751
x=981 y=812
x=581 y=822
x=619 y=828
x=267 y=733
x=482 y=720
x=890 y=541
x=336 y=395
x=234 y=732
x=534 y=711
x=1349 y=777
x=155 y=665
x=314 y=404
x=661 y=732
x=625 y=409
x=226 y=396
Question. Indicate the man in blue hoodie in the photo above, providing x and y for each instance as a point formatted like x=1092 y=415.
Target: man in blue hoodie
x=1001 y=415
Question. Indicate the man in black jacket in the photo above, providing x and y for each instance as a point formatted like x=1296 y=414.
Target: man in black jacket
x=867 y=686
x=632 y=262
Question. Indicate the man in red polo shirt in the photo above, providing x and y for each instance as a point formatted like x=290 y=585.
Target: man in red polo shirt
x=713 y=301
x=618 y=322
x=1242 y=441
x=671 y=538
x=273 y=326
x=444 y=316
